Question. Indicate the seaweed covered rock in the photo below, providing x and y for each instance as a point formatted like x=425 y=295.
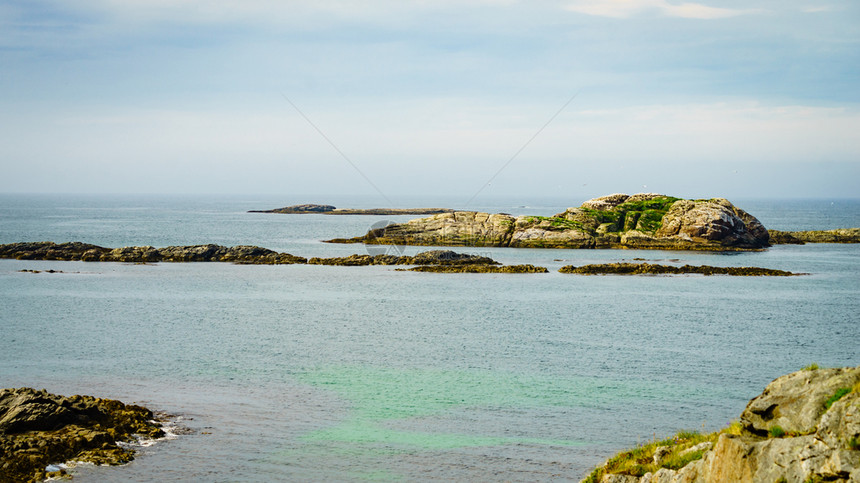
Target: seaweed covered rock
x=75 y=251
x=479 y=268
x=52 y=251
x=644 y=220
x=804 y=427
x=38 y=428
x=624 y=268
x=432 y=257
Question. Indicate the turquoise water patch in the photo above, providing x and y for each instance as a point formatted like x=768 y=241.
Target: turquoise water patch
x=380 y=397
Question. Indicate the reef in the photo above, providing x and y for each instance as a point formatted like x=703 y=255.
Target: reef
x=38 y=429
x=656 y=269
x=804 y=427
x=478 y=268
x=432 y=257
x=74 y=251
x=331 y=210
x=841 y=235
x=77 y=251
x=644 y=221
x=242 y=254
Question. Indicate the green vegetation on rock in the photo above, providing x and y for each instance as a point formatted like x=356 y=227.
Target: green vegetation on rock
x=836 y=396
x=672 y=453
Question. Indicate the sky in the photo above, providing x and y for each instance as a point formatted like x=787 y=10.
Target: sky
x=466 y=98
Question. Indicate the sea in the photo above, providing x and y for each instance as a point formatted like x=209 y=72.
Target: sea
x=322 y=373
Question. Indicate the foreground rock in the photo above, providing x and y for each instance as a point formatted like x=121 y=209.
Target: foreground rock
x=331 y=210
x=655 y=269
x=842 y=235
x=804 y=427
x=645 y=220
x=38 y=429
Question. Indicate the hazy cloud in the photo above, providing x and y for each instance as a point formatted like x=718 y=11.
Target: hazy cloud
x=630 y=8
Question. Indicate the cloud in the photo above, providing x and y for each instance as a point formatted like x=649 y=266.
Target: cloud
x=630 y=8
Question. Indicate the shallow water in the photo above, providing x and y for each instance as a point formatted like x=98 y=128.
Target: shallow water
x=365 y=373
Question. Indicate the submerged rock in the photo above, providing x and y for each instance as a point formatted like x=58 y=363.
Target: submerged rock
x=644 y=220
x=38 y=429
x=804 y=427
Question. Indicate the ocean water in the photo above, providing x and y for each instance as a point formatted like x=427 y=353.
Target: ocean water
x=314 y=373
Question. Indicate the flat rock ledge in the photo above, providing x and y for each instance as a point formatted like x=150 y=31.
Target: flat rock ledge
x=644 y=220
x=656 y=269
x=804 y=427
x=841 y=235
x=38 y=429
x=331 y=210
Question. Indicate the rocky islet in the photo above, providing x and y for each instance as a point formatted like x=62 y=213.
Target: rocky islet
x=307 y=209
x=644 y=220
x=639 y=221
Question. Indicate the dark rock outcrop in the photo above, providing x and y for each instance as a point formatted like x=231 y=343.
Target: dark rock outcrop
x=656 y=269
x=38 y=428
x=645 y=220
x=841 y=235
x=804 y=427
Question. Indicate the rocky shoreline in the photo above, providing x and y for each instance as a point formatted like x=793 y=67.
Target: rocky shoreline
x=804 y=427
x=331 y=210
x=38 y=429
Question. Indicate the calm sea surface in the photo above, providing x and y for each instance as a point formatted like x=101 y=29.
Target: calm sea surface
x=315 y=373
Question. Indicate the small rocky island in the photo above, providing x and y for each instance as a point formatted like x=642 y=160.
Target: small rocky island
x=38 y=429
x=804 y=427
x=331 y=210
x=642 y=221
